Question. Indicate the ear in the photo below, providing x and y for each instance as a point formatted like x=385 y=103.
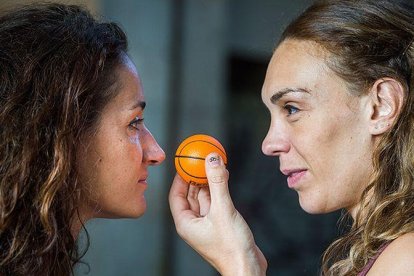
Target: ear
x=387 y=96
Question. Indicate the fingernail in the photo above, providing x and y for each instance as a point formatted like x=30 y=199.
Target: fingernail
x=214 y=161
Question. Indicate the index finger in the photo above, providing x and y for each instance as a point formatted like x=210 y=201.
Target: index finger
x=177 y=198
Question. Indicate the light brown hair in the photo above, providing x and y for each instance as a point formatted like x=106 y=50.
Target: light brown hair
x=368 y=40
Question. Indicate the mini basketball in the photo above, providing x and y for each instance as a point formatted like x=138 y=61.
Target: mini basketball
x=190 y=156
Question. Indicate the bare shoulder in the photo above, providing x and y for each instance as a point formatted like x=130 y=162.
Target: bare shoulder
x=397 y=258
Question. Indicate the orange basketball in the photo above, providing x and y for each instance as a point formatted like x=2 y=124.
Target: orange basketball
x=190 y=156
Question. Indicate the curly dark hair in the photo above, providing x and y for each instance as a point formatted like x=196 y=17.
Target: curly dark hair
x=56 y=75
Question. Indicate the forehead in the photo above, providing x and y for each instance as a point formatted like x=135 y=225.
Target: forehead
x=295 y=63
x=298 y=64
x=129 y=84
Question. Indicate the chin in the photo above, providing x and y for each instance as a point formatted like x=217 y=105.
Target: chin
x=136 y=212
x=131 y=212
x=313 y=206
x=310 y=209
x=134 y=209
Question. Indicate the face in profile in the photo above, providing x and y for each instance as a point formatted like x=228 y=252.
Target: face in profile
x=318 y=130
x=113 y=163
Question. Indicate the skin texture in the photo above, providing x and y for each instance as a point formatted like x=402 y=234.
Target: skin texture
x=114 y=162
x=397 y=258
x=316 y=128
x=207 y=220
x=324 y=137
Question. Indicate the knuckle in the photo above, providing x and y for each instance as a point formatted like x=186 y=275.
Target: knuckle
x=217 y=179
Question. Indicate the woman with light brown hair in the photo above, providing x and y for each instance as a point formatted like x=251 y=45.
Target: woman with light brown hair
x=73 y=144
x=339 y=89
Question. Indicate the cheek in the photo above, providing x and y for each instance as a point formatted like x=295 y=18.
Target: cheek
x=326 y=143
x=126 y=153
x=340 y=155
x=314 y=137
x=120 y=157
x=134 y=138
x=332 y=133
x=134 y=146
x=87 y=166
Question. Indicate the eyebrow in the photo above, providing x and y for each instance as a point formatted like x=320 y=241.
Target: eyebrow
x=140 y=104
x=279 y=94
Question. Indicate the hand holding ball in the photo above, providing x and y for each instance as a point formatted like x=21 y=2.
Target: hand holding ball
x=190 y=156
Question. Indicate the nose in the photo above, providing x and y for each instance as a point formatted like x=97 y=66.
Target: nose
x=276 y=142
x=153 y=154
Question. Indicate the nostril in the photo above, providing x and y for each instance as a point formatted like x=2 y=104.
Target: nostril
x=153 y=154
x=158 y=157
x=275 y=147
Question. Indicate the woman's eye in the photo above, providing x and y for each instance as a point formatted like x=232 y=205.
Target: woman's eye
x=291 y=109
x=136 y=122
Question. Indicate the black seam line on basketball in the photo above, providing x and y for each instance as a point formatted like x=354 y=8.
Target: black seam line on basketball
x=199 y=177
x=192 y=157
x=205 y=142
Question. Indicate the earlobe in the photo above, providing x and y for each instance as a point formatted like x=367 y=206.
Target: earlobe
x=387 y=96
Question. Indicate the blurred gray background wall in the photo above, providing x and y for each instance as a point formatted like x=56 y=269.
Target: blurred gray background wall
x=202 y=63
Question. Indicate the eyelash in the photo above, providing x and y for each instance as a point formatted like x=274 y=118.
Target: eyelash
x=137 y=121
x=289 y=108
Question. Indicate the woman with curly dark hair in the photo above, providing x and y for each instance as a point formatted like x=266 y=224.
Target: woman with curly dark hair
x=73 y=145
x=339 y=89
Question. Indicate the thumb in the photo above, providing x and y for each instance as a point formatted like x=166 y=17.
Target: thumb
x=218 y=176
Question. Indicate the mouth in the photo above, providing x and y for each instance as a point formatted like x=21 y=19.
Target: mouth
x=294 y=176
x=143 y=179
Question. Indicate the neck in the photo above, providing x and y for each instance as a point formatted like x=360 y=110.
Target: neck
x=78 y=220
x=75 y=228
x=353 y=210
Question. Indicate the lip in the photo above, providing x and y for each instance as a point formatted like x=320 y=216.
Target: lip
x=294 y=176
x=143 y=180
